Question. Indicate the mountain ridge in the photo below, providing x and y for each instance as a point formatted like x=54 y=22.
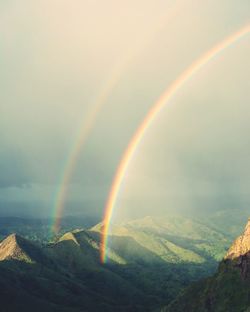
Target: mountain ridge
x=241 y=245
x=149 y=262
x=15 y=247
x=227 y=290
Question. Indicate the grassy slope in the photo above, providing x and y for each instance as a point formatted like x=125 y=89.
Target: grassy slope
x=225 y=291
x=228 y=290
x=174 y=239
x=151 y=260
x=162 y=256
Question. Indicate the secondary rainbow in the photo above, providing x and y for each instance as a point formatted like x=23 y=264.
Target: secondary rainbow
x=147 y=122
x=83 y=133
x=89 y=121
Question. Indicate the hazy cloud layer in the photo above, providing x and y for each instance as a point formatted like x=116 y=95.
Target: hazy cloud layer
x=57 y=56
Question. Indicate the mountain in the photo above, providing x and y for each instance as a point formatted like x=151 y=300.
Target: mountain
x=15 y=247
x=173 y=239
x=228 y=290
x=40 y=229
x=11 y=248
x=62 y=283
x=241 y=245
x=150 y=261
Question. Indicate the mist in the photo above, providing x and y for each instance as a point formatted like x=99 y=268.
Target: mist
x=56 y=59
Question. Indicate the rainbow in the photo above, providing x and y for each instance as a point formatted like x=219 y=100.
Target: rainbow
x=186 y=75
x=89 y=122
x=83 y=133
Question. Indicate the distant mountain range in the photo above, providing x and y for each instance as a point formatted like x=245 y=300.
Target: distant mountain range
x=40 y=229
x=150 y=261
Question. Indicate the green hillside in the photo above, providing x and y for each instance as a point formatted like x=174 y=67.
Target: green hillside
x=150 y=261
x=228 y=290
x=173 y=239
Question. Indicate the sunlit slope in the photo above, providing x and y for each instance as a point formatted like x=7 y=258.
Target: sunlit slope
x=16 y=248
x=65 y=276
x=228 y=290
x=163 y=255
x=171 y=239
x=78 y=252
x=150 y=261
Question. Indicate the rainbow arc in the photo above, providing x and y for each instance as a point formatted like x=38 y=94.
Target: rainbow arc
x=164 y=99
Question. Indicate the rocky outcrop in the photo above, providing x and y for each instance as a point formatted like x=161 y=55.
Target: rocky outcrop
x=241 y=246
x=11 y=248
x=228 y=290
x=239 y=253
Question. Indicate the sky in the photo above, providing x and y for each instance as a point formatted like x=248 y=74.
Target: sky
x=58 y=58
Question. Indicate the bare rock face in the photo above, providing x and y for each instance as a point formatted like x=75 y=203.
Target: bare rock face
x=239 y=252
x=10 y=248
x=241 y=245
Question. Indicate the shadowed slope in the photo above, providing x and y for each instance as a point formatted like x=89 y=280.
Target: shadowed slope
x=150 y=262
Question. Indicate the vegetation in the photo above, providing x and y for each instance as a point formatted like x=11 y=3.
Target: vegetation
x=40 y=230
x=150 y=261
x=228 y=290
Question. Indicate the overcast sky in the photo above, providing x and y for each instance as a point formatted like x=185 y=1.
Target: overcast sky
x=59 y=56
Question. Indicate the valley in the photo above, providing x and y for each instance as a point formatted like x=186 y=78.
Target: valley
x=149 y=263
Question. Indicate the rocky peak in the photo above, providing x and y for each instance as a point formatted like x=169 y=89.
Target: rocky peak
x=11 y=248
x=247 y=228
x=241 y=246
